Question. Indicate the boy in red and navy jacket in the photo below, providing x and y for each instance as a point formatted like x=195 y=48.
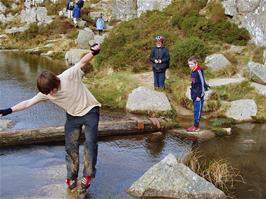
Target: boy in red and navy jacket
x=198 y=88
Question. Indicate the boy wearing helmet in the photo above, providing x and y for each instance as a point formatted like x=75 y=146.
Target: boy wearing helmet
x=160 y=62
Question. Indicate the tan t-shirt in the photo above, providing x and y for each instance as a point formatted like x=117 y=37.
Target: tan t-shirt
x=73 y=96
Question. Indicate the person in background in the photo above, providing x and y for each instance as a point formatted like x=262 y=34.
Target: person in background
x=100 y=24
x=69 y=8
x=80 y=3
x=82 y=109
x=160 y=62
x=198 y=88
x=76 y=14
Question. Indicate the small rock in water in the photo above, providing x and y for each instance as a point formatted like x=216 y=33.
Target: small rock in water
x=5 y=124
x=249 y=141
x=228 y=131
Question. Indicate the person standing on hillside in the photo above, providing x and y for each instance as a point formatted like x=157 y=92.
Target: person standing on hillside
x=76 y=14
x=69 y=8
x=82 y=109
x=197 y=91
x=100 y=24
x=160 y=62
x=80 y=3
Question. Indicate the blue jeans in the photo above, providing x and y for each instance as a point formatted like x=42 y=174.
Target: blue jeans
x=198 y=106
x=73 y=128
x=159 y=78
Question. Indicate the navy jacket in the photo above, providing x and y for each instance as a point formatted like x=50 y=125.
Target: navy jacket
x=160 y=53
x=198 y=84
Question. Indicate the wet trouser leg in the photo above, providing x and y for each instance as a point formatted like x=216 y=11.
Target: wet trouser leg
x=72 y=134
x=198 y=107
x=90 y=144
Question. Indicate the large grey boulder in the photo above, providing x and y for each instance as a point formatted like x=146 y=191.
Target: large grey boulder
x=229 y=7
x=34 y=15
x=245 y=6
x=250 y=15
x=257 y=72
x=2 y=8
x=124 y=10
x=144 y=99
x=28 y=15
x=242 y=110
x=225 y=81
x=74 y=55
x=216 y=61
x=261 y=89
x=41 y=15
x=99 y=39
x=82 y=24
x=236 y=49
x=2 y=18
x=84 y=37
x=145 y=5
x=171 y=179
x=5 y=124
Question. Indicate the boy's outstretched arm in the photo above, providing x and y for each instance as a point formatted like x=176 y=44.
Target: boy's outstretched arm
x=19 y=107
x=95 y=49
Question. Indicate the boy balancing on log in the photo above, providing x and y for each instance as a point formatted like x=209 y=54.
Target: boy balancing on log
x=67 y=91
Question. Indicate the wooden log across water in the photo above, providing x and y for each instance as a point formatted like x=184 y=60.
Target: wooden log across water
x=56 y=134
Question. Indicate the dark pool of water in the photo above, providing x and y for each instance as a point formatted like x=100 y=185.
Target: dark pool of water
x=245 y=150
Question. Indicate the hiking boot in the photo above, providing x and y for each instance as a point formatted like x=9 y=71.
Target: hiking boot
x=85 y=183
x=71 y=184
x=193 y=129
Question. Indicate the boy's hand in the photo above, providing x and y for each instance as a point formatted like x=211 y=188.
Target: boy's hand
x=159 y=61
x=95 y=49
x=198 y=99
x=4 y=112
x=156 y=61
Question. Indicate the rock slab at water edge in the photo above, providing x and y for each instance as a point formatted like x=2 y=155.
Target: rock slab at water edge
x=171 y=179
x=242 y=110
x=144 y=99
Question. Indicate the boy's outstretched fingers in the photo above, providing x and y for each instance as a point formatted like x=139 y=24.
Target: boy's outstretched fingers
x=4 y=112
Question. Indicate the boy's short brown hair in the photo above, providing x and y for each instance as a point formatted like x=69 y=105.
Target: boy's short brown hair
x=47 y=81
x=193 y=59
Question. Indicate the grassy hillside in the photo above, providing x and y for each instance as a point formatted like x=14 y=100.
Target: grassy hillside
x=186 y=33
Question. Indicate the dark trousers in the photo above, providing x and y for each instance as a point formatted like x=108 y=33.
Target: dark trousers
x=198 y=107
x=159 y=78
x=73 y=128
